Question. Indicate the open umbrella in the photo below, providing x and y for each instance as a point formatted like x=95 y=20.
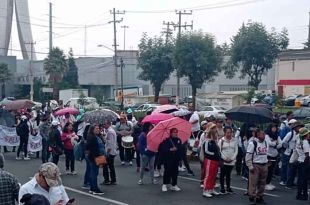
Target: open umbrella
x=70 y=110
x=162 y=131
x=165 y=109
x=156 y=118
x=250 y=114
x=19 y=104
x=6 y=118
x=99 y=116
x=181 y=113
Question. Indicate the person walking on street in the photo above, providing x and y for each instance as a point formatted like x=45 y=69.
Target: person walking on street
x=147 y=157
x=23 y=131
x=9 y=186
x=68 y=137
x=94 y=149
x=229 y=149
x=303 y=150
x=212 y=156
x=111 y=150
x=256 y=160
x=170 y=148
x=55 y=143
x=274 y=143
x=44 y=129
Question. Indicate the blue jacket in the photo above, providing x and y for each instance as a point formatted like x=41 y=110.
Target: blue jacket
x=143 y=146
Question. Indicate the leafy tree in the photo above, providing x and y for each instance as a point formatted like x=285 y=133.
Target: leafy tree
x=55 y=65
x=254 y=50
x=5 y=75
x=155 y=60
x=70 y=79
x=197 y=58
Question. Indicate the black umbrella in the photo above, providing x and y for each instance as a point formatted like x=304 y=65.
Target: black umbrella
x=250 y=114
x=6 y=118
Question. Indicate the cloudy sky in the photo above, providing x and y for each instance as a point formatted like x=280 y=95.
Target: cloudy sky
x=222 y=18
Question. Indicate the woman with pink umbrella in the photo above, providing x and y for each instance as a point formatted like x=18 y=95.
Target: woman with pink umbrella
x=171 y=149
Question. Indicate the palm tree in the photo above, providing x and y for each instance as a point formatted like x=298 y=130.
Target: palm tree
x=55 y=65
x=5 y=75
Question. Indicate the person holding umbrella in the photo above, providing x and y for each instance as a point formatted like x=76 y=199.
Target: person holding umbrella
x=171 y=149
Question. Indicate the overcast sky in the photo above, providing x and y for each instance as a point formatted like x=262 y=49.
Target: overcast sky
x=217 y=17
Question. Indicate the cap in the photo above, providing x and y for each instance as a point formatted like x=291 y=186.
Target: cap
x=129 y=110
x=55 y=123
x=51 y=173
x=207 y=115
x=303 y=132
x=203 y=123
x=297 y=124
x=292 y=121
x=34 y=199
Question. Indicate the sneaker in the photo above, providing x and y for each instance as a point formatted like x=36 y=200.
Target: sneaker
x=164 y=188
x=154 y=181
x=217 y=185
x=182 y=169
x=123 y=163
x=140 y=182
x=244 y=178
x=222 y=191
x=190 y=173
x=68 y=172
x=201 y=185
x=113 y=183
x=215 y=193
x=229 y=190
x=97 y=192
x=26 y=158
x=130 y=163
x=18 y=158
x=175 y=188
x=156 y=173
x=207 y=194
x=288 y=187
x=74 y=173
x=105 y=183
x=85 y=186
x=269 y=187
x=282 y=183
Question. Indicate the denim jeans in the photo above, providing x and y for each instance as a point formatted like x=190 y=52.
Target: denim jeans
x=146 y=160
x=87 y=172
x=94 y=170
x=284 y=167
x=292 y=171
x=45 y=153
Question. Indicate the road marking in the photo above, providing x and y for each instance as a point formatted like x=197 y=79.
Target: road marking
x=238 y=188
x=96 y=197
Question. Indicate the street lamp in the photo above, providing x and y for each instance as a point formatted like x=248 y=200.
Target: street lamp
x=122 y=83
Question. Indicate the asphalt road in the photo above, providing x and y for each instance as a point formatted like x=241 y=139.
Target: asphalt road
x=127 y=191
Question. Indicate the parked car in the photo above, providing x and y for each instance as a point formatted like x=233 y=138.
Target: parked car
x=146 y=107
x=306 y=101
x=290 y=101
x=302 y=113
x=216 y=111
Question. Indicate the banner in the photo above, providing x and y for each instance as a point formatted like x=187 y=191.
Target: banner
x=9 y=137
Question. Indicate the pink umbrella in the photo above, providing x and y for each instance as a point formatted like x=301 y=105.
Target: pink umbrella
x=156 y=118
x=165 y=109
x=162 y=131
x=70 y=110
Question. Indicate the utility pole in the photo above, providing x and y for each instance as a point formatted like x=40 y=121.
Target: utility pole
x=180 y=26
x=167 y=30
x=31 y=70
x=50 y=27
x=85 y=39
x=122 y=83
x=124 y=27
x=309 y=32
x=114 y=12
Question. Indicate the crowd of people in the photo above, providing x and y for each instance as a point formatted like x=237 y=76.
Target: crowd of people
x=257 y=154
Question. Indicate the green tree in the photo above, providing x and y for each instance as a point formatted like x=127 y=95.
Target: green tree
x=5 y=75
x=197 y=58
x=155 y=60
x=70 y=79
x=55 y=65
x=254 y=50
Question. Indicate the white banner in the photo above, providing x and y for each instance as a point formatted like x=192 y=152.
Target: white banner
x=9 y=137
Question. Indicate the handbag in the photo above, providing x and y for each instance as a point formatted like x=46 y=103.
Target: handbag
x=101 y=161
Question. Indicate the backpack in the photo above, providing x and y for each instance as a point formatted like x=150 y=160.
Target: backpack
x=284 y=131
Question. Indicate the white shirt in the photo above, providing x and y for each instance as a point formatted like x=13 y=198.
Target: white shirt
x=291 y=142
x=260 y=154
x=111 y=141
x=302 y=147
x=53 y=195
x=273 y=146
x=229 y=150
x=195 y=126
x=202 y=139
